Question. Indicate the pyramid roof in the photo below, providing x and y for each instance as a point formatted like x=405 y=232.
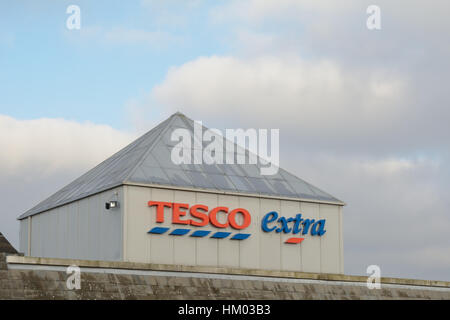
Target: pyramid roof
x=147 y=161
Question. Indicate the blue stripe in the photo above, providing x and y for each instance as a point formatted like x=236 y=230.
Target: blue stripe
x=220 y=235
x=179 y=232
x=200 y=233
x=240 y=236
x=158 y=230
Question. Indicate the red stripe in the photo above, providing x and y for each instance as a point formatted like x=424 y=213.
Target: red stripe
x=294 y=240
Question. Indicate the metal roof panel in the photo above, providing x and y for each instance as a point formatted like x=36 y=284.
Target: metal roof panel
x=147 y=160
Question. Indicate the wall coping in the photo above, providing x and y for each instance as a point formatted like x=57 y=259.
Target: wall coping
x=17 y=260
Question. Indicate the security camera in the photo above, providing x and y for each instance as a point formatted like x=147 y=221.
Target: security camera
x=111 y=205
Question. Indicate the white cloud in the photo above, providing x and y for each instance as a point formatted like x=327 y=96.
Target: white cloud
x=40 y=156
x=412 y=13
x=308 y=98
x=256 y=11
x=412 y=30
x=397 y=209
x=52 y=145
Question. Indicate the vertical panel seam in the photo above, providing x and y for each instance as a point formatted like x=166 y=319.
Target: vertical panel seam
x=29 y=235
x=300 y=247
x=281 y=241
x=321 y=245
x=125 y=224
x=149 y=252
x=196 y=240
x=340 y=241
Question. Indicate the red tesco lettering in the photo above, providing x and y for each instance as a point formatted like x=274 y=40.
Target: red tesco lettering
x=219 y=217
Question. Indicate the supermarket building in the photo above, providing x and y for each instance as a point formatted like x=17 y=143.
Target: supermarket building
x=138 y=206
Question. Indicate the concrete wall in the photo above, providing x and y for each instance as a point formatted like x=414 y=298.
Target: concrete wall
x=260 y=251
x=83 y=229
x=29 y=278
x=29 y=284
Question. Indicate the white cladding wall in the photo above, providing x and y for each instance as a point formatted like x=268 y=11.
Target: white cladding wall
x=262 y=250
x=23 y=236
x=83 y=229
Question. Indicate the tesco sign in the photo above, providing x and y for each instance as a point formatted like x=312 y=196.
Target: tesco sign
x=220 y=218
x=201 y=215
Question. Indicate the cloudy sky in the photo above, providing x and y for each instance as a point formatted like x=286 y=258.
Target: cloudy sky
x=363 y=114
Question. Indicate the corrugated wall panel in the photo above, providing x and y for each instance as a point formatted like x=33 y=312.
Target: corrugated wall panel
x=207 y=248
x=73 y=241
x=341 y=241
x=83 y=229
x=228 y=250
x=80 y=230
x=311 y=246
x=62 y=238
x=161 y=248
x=139 y=223
x=110 y=244
x=36 y=236
x=291 y=254
x=184 y=248
x=23 y=246
x=265 y=250
x=250 y=248
x=95 y=231
x=270 y=251
x=330 y=242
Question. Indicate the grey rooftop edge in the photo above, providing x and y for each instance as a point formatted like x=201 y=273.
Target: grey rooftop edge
x=147 y=161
